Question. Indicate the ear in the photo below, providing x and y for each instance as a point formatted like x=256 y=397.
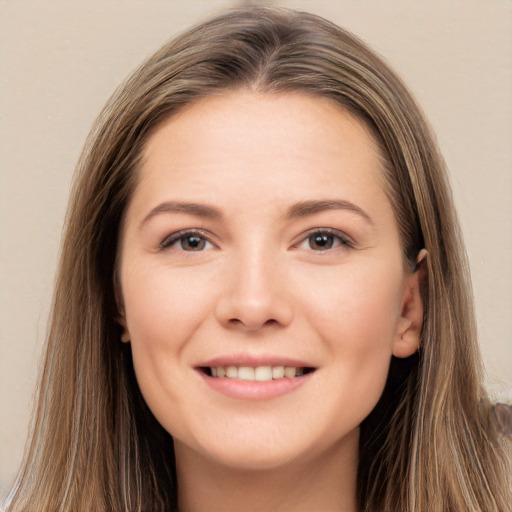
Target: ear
x=408 y=331
x=125 y=334
x=121 y=315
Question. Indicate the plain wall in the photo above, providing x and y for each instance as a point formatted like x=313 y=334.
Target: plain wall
x=60 y=60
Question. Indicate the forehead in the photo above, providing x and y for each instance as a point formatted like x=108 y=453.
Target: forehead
x=251 y=115
x=261 y=150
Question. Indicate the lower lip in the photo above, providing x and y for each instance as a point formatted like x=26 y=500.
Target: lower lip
x=254 y=390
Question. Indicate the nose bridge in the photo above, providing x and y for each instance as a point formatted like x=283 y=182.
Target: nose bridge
x=256 y=268
x=255 y=295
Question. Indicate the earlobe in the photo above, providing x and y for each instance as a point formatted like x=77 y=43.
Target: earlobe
x=125 y=335
x=409 y=325
x=121 y=320
x=121 y=317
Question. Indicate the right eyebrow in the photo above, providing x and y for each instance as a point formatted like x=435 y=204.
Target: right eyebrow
x=199 y=210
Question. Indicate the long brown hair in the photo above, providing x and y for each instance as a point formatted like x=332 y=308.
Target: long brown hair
x=429 y=444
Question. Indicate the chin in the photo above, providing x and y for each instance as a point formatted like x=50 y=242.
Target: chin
x=267 y=449
x=251 y=459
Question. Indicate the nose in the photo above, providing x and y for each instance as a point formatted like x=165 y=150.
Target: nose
x=254 y=295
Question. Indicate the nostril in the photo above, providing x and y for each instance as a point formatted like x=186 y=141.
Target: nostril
x=243 y=310
x=254 y=324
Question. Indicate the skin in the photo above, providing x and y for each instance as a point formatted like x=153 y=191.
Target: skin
x=261 y=286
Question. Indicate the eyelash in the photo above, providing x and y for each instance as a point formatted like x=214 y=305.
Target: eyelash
x=202 y=236
x=182 y=235
x=330 y=232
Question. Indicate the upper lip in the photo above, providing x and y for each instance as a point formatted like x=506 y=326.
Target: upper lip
x=254 y=360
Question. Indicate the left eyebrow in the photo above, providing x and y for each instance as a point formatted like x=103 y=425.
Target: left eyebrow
x=306 y=208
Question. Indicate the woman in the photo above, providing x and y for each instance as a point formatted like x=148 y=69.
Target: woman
x=263 y=299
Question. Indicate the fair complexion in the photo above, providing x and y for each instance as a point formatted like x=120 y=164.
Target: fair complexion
x=260 y=240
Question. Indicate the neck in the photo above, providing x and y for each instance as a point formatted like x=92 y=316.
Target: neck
x=327 y=483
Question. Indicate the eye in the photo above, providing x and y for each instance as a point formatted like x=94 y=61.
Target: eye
x=190 y=241
x=324 y=240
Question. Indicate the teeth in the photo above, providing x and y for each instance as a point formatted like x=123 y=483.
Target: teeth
x=277 y=372
x=289 y=371
x=263 y=373
x=258 y=374
x=232 y=372
x=245 y=373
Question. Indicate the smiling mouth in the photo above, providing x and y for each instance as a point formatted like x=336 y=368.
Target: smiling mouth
x=255 y=374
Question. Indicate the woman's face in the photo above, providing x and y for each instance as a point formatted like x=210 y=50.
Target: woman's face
x=260 y=243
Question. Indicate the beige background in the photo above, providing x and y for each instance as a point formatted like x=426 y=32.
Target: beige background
x=60 y=60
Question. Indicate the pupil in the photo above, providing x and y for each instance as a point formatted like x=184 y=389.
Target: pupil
x=193 y=243
x=321 y=242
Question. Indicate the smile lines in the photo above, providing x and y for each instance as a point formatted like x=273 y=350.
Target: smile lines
x=256 y=374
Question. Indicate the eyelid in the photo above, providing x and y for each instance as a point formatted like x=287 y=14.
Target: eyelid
x=340 y=235
x=171 y=239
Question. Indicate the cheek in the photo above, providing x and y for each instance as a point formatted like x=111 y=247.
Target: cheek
x=163 y=309
x=359 y=307
x=357 y=320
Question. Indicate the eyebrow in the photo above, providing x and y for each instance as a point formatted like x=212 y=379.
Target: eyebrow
x=297 y=210
x=306 y=208
x=199 y=210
